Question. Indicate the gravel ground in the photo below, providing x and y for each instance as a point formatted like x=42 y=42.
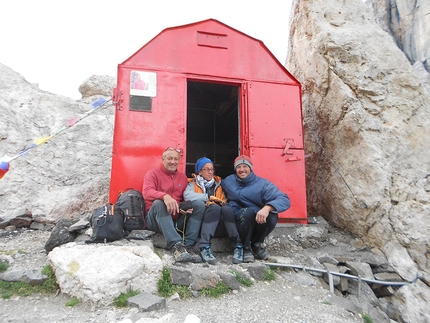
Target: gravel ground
x=286 y=299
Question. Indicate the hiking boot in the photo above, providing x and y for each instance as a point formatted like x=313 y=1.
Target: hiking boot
x=207 y=255
x=194 y=257
x=180 y=253
x=247 y=255
x=238 y=255
x=259 y=251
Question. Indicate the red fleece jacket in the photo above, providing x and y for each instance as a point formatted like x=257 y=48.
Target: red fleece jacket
x=159 y=182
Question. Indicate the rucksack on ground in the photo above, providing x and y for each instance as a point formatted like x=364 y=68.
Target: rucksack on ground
x=107 y=224
x=132 y=204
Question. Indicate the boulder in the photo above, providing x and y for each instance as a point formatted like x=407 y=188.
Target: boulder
x=100 y=273
x=60 y=235
x=366 y=125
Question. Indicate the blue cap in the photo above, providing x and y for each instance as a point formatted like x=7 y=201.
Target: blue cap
x=201 y=162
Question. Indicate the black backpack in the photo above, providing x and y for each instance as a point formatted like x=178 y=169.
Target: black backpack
x=132 y=204
x=107 y=223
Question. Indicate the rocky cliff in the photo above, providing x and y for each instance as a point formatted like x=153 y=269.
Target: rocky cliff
x=408 y=22
x=367 y=124
x=69 y=174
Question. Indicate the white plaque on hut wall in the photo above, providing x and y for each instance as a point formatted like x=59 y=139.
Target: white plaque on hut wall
x=143 y=83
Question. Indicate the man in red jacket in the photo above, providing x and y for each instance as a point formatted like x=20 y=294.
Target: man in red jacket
x=167 y=212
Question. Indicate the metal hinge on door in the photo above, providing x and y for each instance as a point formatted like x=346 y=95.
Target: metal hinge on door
x=117 y=99
x=244 y=123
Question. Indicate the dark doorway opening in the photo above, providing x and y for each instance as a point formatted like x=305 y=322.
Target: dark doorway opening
x=212 y=125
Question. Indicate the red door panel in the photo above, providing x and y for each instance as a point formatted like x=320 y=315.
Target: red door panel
x=274 y=114
x=287 y=172
x=272 y=135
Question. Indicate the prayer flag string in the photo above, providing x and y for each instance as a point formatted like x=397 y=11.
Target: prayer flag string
x=5 y=160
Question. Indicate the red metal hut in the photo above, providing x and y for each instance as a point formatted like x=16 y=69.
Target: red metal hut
x=211 y=91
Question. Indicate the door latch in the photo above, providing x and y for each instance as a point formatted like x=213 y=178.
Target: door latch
x=288 y=144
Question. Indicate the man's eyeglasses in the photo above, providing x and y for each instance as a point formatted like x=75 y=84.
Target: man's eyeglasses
x=209 y=170
x=175 y=149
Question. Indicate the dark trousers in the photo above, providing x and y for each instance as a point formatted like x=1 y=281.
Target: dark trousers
x=185 y=228
x=218 y=221
x=249 y=230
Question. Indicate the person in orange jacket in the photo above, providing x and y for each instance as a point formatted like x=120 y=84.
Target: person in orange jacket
x=219 y=218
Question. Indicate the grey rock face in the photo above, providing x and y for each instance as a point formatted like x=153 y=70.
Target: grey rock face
x=30 y=276
x=409 y=23
x=366 y=126
x=68 y=176
x=97 y=85
x=60 y=235
x=147 y=302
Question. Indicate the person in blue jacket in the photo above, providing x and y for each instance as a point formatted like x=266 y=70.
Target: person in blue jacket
x=256 y=203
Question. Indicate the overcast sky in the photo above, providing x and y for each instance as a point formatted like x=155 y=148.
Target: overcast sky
x=59 y=44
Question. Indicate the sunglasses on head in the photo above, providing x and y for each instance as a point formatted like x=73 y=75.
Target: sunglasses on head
x=175 y=149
